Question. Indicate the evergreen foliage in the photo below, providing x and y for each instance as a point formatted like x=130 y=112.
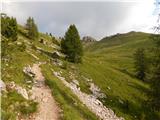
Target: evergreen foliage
x=71 y=45
x=32 y=29
x=140 y=63
x=9 y=27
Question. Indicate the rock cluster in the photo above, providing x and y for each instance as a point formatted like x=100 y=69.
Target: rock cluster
x=90 y=101
x=28 y=70
x=96 y=91
x=22 y=91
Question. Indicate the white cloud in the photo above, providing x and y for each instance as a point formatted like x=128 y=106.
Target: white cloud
x=141 y=18
x=98 y=19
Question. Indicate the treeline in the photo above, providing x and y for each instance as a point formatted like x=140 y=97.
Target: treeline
x=71 y=44
x=147 y=69
x=9 y=32
x=9 y=28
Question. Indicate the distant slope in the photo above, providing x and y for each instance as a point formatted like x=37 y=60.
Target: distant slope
x=128 y=40
x=110 y=64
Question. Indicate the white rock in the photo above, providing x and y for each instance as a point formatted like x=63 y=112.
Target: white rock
x=76 y=82
x=22 y=91
x=2 y=85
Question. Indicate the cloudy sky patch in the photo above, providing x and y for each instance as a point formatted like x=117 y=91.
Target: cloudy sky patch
x=97 y=19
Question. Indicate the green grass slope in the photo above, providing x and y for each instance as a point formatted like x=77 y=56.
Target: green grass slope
x=110 y=64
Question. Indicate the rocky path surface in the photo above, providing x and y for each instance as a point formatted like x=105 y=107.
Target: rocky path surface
x=47 y=107
x=90 y=101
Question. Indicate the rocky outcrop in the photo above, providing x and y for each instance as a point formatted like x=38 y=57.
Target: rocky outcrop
x=88 y=39
x=90 y=101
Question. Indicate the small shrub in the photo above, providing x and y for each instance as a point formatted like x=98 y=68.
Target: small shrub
x=28 y=108
x=64 y=65
x=7 y=116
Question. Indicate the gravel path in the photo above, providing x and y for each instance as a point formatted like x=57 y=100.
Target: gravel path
x=47 y=108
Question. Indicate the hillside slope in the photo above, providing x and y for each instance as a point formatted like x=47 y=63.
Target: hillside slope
x=110 y=64
x=104 y=82
x=19 y=55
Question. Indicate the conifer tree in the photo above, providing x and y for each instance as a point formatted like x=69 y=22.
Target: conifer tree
x=140 y=63
x=71 y=45
x=32 y=28
x=13 y=28
x=9 y=27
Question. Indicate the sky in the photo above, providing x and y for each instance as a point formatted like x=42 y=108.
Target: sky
x=92 y=18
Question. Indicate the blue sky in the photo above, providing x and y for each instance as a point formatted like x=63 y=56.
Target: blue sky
x=93 y=18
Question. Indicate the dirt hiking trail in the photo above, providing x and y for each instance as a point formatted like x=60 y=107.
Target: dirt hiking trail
x=47 y=106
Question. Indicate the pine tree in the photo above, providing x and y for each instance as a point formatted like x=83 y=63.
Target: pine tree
x=140 y=63
x=71 y=45
x=32 y=28
x=9 y=27
x=13 y=28
x=29 y=23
